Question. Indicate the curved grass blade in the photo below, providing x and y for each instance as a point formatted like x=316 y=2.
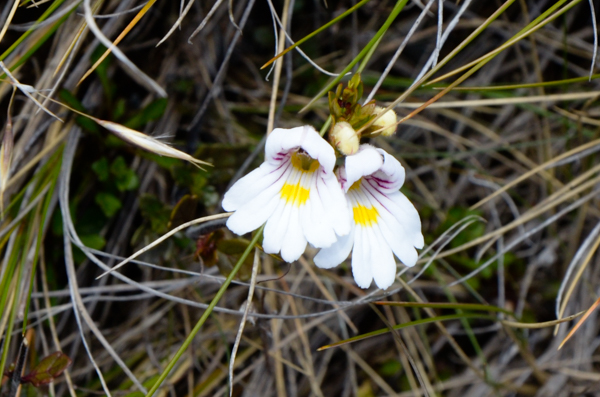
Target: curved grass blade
x=43 y=17
x=487 y=58
x=11 y=14
x=310 y=35
x=519 y=86
x=462 y=316
x=444 y=305
x=529 y=28
x=579 y=323
x=124 y=33
x=406 y=325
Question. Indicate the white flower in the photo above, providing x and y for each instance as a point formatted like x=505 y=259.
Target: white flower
x=296 y=193
x=384 y=221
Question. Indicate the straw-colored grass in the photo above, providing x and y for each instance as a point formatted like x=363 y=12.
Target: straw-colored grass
x=109 y=108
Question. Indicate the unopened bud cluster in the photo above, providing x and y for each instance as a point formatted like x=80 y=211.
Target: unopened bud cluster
x=349 y=117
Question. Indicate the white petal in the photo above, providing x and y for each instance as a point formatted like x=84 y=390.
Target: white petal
x=392 y=170
x=365 y=162
x=276 y=227
x=397 y=240
x=361 y=268
x=316 y=225
x=318 y=148
x=253 y=215
x=251 y=185
x=402 y=209
x=400 y=233
x=335 y=204
x=294 y=242
x=336 y=254
x=383 y=265
x=280 y=141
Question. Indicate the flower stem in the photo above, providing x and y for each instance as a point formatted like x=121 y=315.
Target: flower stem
x=207 y=313
x=326 y=125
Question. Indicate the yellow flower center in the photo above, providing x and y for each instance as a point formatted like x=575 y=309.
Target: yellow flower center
x=303 y=162
x=365 y=216
x=294 y=194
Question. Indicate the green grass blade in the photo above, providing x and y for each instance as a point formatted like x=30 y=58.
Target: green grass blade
x=440 y=305
x=365 y=51
x=319 y=30
x=405 y=325
x=42 y=18
x=207 y=313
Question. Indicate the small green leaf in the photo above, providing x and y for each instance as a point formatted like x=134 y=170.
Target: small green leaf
x=100 y=167
x=47 y=370
x=153 y=111
x=94 y=241
x=102 y=71
x=154 y=211
x=126 y=178
x=84 y=122
x=390 y=368
x=108 y=203
x=119 y=109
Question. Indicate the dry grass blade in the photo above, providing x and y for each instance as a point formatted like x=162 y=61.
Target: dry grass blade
x=11 y=14
x=148 y=143
x=127 y=29
x=577 y=277
x=247 y=307
x=579 y=323
x=532 y=170
x=177 y=23
x=163 y=238
x=27 y=90
x=6 y=153
x=139 y=139
x=135 y=72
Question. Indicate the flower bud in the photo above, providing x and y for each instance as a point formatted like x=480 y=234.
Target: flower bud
x=387 y=121
x=344 y=138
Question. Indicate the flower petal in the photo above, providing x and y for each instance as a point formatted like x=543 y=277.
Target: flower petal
x=383 y=265
x=401 y=233
x=393 y=172
x=361 y=268
x=365 y=162
x=314 y=220
x=318 y=149
x=294 y=242
x=254 y=214
x=281 y=141
x=336 y=254
x=397 y=241
x=276 y=227
x=335 y=204
x=405 y=213
x=251 y=185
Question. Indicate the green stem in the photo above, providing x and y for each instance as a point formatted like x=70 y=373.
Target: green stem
x=326 y=125
x=207 y=313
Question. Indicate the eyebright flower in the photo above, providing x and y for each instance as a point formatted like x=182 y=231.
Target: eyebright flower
x=344 y=138
x=296 y=193
x=383 y=220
